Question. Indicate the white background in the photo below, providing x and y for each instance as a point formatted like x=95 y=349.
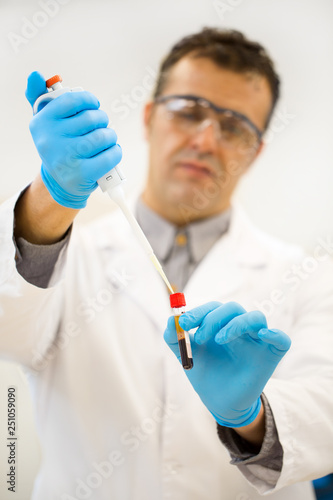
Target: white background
x=110 y=48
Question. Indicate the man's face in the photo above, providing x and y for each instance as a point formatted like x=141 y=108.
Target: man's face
x=192 y=175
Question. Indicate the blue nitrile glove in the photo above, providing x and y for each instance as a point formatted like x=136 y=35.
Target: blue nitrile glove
x=74 y=143
x=234 y=355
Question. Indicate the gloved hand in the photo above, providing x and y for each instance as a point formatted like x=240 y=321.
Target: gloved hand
x=74 y=143
x=234 y=355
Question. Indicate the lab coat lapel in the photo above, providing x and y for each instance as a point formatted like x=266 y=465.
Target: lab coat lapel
x=124 y=255
x=144 y=285
x=148 y=289
x=220 y=275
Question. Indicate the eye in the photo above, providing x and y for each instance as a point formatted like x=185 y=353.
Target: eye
x=190 y=113
x=185 y=110
x=233 y=127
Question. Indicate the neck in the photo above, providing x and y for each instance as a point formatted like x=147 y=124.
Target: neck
x=181 y=214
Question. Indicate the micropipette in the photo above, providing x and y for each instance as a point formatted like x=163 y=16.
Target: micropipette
x=54 y=89
x=110 y=182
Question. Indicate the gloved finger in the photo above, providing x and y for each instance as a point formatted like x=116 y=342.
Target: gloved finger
x=85 y=122
x=170 y=337
x=248 y=323
x=95 y=142
x=36 y=86
x=94 y=168
x=279 y=341
x=71 y=103
x=195 y=316
x=170 y=334
x=213 y=321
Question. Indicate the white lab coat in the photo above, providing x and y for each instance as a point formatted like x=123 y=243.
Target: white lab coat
x=116 y=416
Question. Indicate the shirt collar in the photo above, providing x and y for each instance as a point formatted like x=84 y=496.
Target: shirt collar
x=204 y=233
x=160 y=232
x=201 y=234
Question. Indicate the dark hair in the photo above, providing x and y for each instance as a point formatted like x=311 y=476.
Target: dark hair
x=229 y=49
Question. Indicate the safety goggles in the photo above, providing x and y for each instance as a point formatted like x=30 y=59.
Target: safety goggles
x=193 y=114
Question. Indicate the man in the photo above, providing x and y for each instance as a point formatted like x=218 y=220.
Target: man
x=84 y=309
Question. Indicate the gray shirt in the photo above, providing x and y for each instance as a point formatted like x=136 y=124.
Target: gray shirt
x=179 y=250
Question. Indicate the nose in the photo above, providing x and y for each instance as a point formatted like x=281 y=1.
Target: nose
x=206 y=137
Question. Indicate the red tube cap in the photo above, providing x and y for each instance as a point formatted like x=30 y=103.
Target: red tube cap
x=177 y=300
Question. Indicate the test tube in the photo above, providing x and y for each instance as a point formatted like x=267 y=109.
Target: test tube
x=178 y=303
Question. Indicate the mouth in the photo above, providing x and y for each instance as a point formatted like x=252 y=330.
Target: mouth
x=197 y=168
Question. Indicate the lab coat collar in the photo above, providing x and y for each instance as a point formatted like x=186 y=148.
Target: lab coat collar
x=219 y=275
x=248 y=242
x=123 y=254
x=201 y=235
x=160 y=232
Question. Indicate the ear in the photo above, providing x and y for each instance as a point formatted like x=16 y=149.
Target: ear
x=254 y=157
x=260 y=148
x=147 y=116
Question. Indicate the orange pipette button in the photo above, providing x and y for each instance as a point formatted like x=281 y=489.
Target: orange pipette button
x=54 y=79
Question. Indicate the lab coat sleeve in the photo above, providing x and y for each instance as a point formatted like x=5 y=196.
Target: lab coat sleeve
x=300 y=396
x=29 y=315
x=36 y=262
x=268 y=460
